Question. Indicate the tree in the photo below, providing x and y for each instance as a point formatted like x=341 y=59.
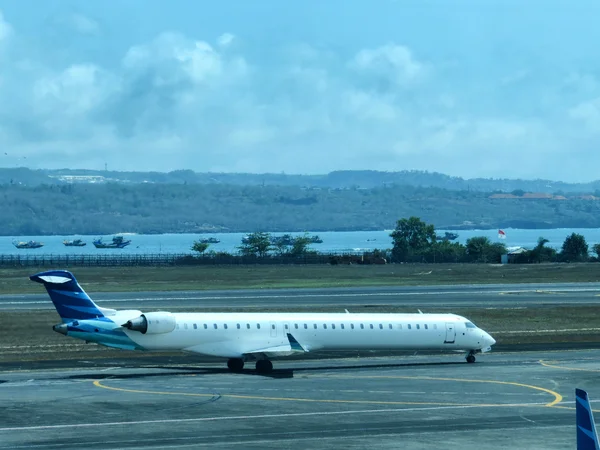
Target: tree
x=300 y=245
x=540 y=253
x=574 y=248
x=481 y=249
x=200 y=247
x=596 y=249
x=411 y=236
x=282 y=244
x=256 y=244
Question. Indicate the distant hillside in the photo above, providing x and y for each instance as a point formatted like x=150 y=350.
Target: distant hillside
x=363 y=179
x=106 y=208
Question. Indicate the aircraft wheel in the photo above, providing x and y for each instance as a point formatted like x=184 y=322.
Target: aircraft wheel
x=470 y=359
x=264 y=366
x=235 y=364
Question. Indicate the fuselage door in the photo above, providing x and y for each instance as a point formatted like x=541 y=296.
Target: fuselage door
x=450 y=333
x=273 y=326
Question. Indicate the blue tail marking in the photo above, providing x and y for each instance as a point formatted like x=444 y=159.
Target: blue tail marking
x=70 y=300
x=587 y=437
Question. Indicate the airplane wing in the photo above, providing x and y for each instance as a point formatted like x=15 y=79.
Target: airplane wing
x=587 y=437
x=293 y=346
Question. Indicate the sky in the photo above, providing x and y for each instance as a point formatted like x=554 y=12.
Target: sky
x=494 y=89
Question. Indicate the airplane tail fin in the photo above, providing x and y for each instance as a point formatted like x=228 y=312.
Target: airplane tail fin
x=587 y=436
x=70 y=300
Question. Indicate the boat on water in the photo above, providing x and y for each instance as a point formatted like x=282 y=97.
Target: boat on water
x=448 y=236
x=117 y=242
x=287 y=239
x=28 y=244
x=74 y=243
x=210 y=240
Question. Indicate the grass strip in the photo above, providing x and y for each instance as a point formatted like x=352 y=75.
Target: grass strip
x=127 y=279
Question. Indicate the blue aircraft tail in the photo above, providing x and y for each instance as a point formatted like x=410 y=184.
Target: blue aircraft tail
x=70 y=300
x=587 y=437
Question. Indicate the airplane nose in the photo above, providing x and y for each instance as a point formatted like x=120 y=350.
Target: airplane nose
x=489 y=340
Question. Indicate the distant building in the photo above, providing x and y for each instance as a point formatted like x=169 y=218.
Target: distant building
x=81 y=178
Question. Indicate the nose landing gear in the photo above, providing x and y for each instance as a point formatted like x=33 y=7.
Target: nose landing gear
x=470 y=357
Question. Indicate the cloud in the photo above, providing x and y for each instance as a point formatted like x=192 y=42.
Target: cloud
x=225 y=40
x=75 y=91
x=5 y=28
x=588 y=113
x=83 y=24
x=515 y=77
x=391 y=63
x=149 y=99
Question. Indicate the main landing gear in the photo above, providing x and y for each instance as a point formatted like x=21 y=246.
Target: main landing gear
x=470 y=357
x=235 y=364
x=262 y=365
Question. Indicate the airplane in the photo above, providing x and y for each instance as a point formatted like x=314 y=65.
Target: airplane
x=587 y=436
x=243 y=337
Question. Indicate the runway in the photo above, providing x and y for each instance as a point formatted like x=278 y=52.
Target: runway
x=500 y=296
x=523 y=400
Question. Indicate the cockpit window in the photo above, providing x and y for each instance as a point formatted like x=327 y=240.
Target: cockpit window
x=470 y=325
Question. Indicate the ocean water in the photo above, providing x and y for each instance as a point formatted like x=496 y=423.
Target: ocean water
x=333 y=241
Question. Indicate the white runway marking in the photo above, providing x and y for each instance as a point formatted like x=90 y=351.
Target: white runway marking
x=261 y=416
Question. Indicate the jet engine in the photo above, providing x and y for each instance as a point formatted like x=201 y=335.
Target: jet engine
x=152 y=323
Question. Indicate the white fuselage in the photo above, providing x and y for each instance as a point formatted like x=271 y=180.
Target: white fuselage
x=234 y=335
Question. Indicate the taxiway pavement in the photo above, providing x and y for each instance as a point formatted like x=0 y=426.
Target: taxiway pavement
x=523 y=400
x=496 y=295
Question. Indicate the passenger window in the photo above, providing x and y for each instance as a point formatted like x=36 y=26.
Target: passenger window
x=195 y=327
x=426 y=327
x=371 y=326
x=390 y=326
x=225 y=326
x=399 y=326
x=409 y=326
x=205 y=326
x=272 y=327
x=315 y=326
x=381 y=326
x=215 y=325
x=185 y=326
x=238 y=326
x=177 y=326
x=286 y=326
x=305 y=326
x=342 y=325
x=258 y=326
x=352 y=326
x=333 y=326
x=325 y=326
x=362 y=326
x=296 y=326
x=248 y=326
x=418 y=327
